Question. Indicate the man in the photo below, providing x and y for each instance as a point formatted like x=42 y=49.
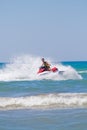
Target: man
x=45 y=65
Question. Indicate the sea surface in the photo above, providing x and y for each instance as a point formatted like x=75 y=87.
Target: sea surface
x=52 y=101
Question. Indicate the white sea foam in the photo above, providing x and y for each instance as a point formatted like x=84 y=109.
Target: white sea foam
x=62 y=100
x=82 y=71
x=26 y=67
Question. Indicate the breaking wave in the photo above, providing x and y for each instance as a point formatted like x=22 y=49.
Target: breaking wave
x=45 y=101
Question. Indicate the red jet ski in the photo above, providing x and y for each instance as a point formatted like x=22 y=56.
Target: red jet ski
x=42 y=69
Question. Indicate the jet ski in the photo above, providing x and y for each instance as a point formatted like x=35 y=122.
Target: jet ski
x=42 y=70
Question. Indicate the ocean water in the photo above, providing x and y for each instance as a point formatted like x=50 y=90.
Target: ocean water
x=53 y=101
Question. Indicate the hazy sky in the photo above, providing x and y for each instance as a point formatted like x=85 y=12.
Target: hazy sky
x=48 y=28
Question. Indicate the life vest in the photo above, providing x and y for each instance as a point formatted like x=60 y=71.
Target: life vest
x=46 y=65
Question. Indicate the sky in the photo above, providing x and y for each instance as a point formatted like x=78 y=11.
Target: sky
x=48 y=28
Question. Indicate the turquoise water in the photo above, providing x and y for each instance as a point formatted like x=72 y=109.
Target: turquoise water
x=73 y=119
x=55 y=101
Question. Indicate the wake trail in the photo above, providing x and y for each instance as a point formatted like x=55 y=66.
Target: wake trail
x=26 y=67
